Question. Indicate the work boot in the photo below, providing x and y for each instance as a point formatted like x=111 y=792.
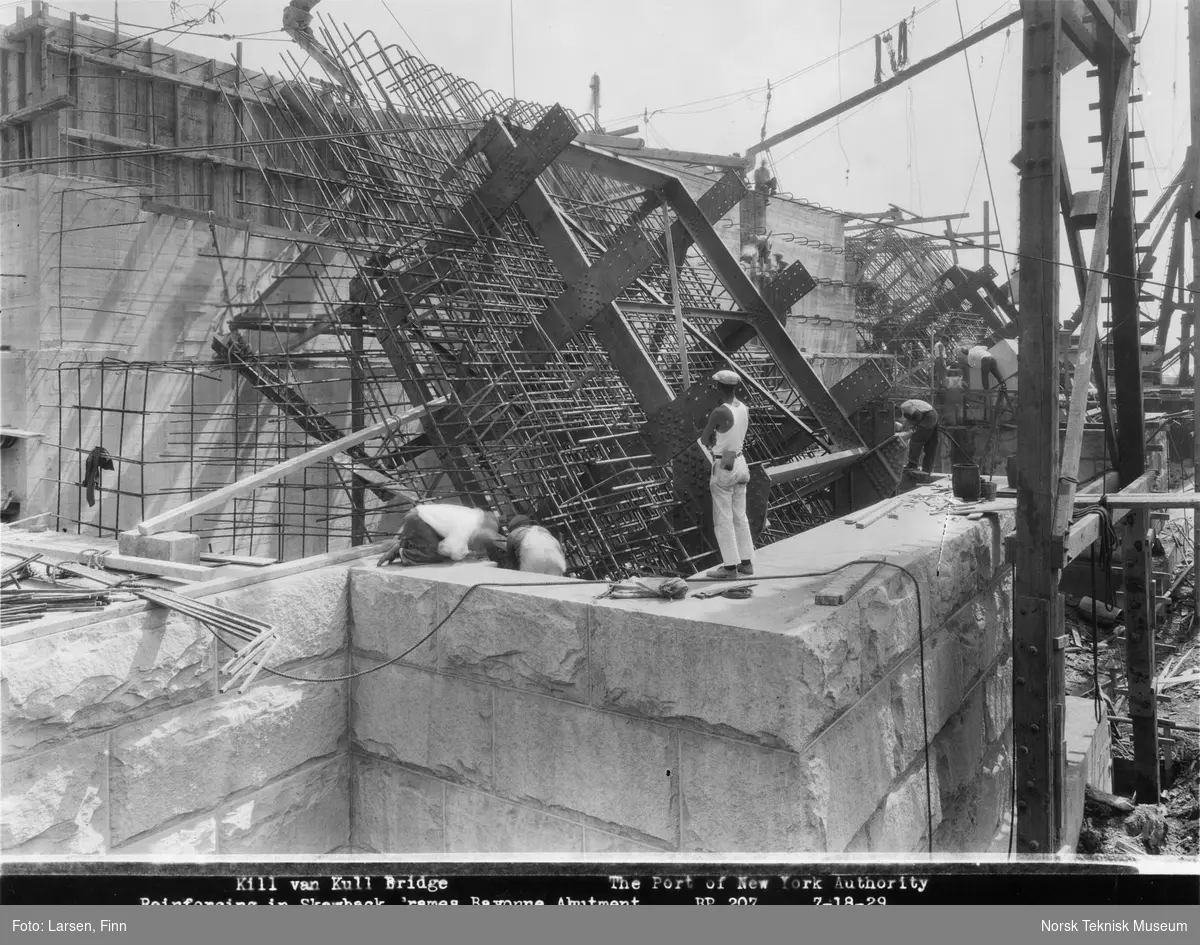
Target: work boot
x=721 y=574
x=745 y=568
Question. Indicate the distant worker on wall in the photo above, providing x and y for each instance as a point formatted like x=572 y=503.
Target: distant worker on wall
x=764 y=183
x=435 y=533
x=924 y=443
x=940 y=349
x=726 y=434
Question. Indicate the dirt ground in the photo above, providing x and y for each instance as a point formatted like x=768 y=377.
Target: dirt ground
x=1169 y=828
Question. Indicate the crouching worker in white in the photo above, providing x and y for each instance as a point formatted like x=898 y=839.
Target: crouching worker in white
x=436 y=532
x=529 y=547
x=726 y=432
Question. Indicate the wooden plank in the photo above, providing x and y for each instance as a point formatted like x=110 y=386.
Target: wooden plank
x=1036 y=577
x=671 y=156
x=1089 y=330
x=36 y=110
x=898 y=79
x=1104 y=13
x=160 y=75
x=118 y=562
x=1155 y=500
x=80 y=136
x=1078 y=30
x=254 y=229
x=814 y=465
x=249 y=561
x=1084 y=532
x=179 y=516
x=847 y=585
x=611 y=141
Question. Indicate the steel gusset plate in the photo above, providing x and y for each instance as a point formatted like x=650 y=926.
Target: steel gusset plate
x=787 y=288
x=669 y=430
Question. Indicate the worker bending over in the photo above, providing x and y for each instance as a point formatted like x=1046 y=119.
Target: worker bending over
x=980 y=357
x=924 y=421
x=435 y=532
x=726 y=433
x=529 y=547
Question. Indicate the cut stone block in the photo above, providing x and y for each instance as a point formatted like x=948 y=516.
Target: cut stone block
x=196 y=838
x=769 y=687
x=55 y=803
x=307 y=813
x=482 y=823
x=192 y=759
x=567 y=758
x=916 y=712
x=851 y=765
x=972 y=818
x=71 y=684
x=389 y=612
x=903 y=819
x=737 y=797
x=961 y=744
x=309 y=611
x=434 y=723
x=527 y=639
x=396 y=812
x=998 y=700
x=179 y=547
x=601 y=842
x=983 y=627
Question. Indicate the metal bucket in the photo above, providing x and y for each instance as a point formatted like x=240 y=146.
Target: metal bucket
x=966 y=482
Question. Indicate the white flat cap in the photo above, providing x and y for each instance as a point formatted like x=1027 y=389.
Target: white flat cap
x=727 y=377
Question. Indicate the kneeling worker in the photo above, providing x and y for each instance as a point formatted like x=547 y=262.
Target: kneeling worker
x=726 y=432
x=529 y=547
x=436 y=532
x=924 y=420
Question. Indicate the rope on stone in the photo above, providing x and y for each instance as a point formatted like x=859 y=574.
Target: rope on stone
x=668 y=589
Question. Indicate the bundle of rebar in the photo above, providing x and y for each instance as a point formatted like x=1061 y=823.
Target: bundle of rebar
x=253 y=641
x=20 y=605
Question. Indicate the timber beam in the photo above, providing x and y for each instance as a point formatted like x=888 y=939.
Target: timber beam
x=1037 y=603
x=1089 y=328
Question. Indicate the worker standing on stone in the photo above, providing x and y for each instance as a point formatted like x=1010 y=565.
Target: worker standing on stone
x=924 y=421
x=726 y=434
x=529 y=547
x=435 y=532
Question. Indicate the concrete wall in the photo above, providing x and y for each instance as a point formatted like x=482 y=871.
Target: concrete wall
x=545 y=721
x=106 y=280
x=116 y=741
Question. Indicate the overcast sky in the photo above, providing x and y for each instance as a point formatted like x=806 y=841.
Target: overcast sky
x=699 y=70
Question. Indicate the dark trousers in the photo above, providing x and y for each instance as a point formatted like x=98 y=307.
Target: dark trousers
x=924 y=443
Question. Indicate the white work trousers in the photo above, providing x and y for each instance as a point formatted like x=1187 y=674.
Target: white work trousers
x=728 y=487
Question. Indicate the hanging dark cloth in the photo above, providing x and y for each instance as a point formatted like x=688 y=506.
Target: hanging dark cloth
x=902 y=45
x=97 y=460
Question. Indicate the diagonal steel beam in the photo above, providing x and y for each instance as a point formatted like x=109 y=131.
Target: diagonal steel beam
x=773 y=335
x=536 y=150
